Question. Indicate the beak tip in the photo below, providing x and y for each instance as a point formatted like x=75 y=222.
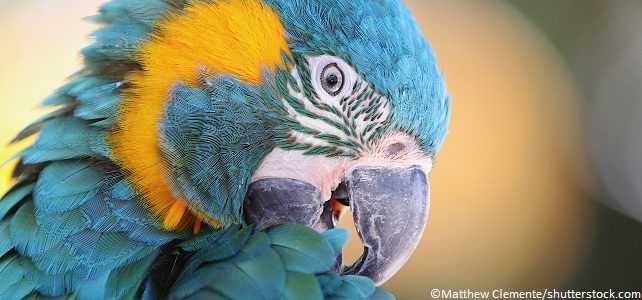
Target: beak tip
x=390 y=207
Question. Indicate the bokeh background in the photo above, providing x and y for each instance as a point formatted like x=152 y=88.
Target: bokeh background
x=539 y=184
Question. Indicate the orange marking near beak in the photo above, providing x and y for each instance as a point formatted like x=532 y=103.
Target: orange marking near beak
x=338 y=209
x=198 y=223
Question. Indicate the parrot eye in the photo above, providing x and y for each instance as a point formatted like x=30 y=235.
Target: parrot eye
x=332 y=79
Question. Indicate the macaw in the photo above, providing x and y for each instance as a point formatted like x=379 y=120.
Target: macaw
x=206 y=149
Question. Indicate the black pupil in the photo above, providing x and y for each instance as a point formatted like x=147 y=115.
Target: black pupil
x=332 y=80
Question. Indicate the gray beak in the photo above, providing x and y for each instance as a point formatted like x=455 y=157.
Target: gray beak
x=389 y=206
x=274 y=201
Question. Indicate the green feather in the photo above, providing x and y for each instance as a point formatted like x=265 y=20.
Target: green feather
x=124 y=281
x=256 y=278
x=301 y=286
x=355 y=287
x=302 y=249
x=284 y=262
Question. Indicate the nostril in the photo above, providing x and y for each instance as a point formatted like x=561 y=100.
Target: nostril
x=395 y=149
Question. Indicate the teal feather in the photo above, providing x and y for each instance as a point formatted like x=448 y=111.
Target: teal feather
x=206 y=295
x=347 y=287
x=226 y=247
x=91 y=287
x=56 y=285
x=98 y=143
x=99 y=214
x=97 y=103
x=13 y=197
x=227 y=240
x=256 y=268
x=150 y=292
x=354 y=287
x=302 y=249
x=381 y=294
x=37 y=296
x=133 y=218
x=116 y=247
x=60 y=96
x=228 y=243
x=65 y=223
x=104 y=124
x=42 y=240
x=124 y=281
x=140 y=11
x=61 y=139
x=86 y=83
x=25 y=234
x=21 y=288
x=403 y=68
x=53 y=233
x=57 y=261
x=253 y=271
x=337 y=237
x=5 y=238
x=220 y=168
x=97 y=252
x=122 y=191
x=301 y=286
x=66 y=185
x=117 y=42
x=329 y=282
x=36 y=126
x=4 y=264
x=20 y=277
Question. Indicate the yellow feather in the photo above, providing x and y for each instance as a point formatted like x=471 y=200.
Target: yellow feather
x=236 y=37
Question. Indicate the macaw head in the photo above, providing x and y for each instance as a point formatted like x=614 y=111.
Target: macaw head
x=280 y=111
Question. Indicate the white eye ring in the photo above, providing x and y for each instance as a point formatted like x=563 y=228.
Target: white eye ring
x=332 y=79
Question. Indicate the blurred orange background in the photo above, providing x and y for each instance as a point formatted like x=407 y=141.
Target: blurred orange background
x=513 y=188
